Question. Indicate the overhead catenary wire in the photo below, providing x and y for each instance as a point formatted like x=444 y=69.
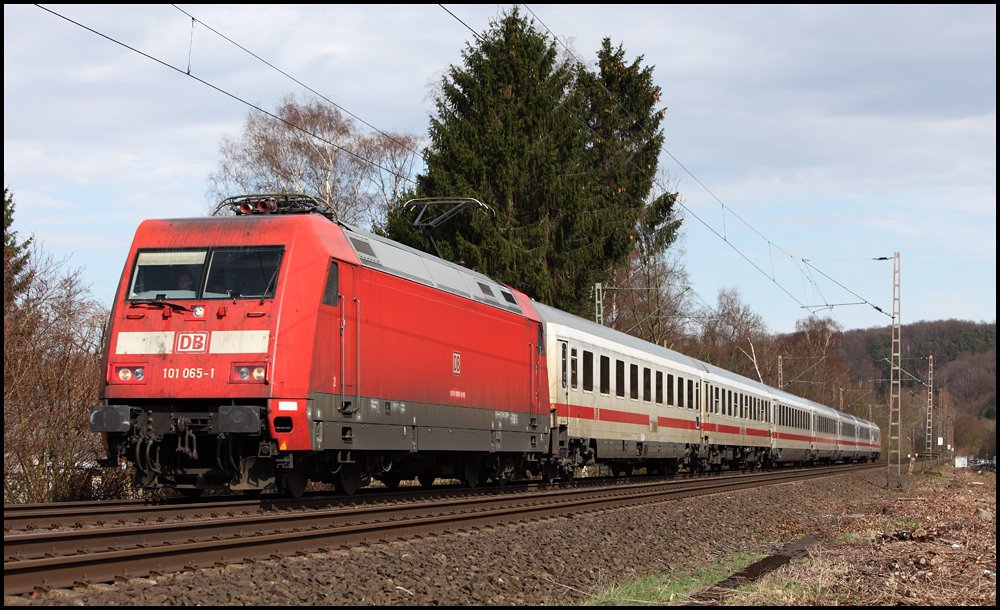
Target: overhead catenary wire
x=290 y=77
x=771 y=277
x=723 y=236
x=228 y=94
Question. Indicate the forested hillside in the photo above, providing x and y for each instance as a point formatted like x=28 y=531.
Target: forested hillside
x=964 y=372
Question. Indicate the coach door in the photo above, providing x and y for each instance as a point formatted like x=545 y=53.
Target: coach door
x=707 y=406
x=771 y=415
x=564 y=372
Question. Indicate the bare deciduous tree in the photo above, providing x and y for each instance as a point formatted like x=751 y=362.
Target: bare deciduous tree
x=316 y=150
x=734 y=330
x=650 y=299
x=53 y=332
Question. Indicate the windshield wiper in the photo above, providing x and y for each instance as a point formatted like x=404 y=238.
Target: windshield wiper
x=158 y=303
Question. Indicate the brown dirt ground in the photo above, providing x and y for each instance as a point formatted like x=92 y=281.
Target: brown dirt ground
x=932 y=543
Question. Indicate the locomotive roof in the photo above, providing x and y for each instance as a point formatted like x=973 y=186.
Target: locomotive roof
x=403 y=261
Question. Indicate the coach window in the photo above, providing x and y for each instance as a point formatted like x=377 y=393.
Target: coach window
x=572 y=368
x=670 y=390
x=605 y=375
x=565 y=368
x=659 y=387
x=647 y=385
x=588 y=371
x=690 y=393
x=633 y=381
x=620 y=378
x=331 y=294
x=680 y=392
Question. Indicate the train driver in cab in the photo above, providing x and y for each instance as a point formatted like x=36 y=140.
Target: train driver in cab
x=184 y=281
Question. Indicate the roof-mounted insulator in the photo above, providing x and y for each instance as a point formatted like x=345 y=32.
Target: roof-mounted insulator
x=275 y=203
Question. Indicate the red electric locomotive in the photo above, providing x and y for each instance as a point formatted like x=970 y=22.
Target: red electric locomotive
x=275 y=346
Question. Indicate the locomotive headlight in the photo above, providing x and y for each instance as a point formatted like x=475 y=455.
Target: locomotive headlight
x=198 y=311
x=129 y=374
x=255 y=372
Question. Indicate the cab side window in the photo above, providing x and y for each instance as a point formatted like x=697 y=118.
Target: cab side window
x=331 y=294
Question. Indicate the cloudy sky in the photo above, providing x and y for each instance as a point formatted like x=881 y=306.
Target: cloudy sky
x=837 y=133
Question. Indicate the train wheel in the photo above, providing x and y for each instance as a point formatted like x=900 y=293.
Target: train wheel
x=391 y=480
x=549 y=472
x=426 y=479
x=191 y=492
x=472 y=473
x=348 y=479
x=293 y=481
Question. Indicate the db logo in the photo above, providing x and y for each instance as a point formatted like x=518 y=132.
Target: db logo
x=191 y=343
x=456 y=363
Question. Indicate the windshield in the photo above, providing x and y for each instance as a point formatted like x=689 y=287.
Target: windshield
x=207 y=273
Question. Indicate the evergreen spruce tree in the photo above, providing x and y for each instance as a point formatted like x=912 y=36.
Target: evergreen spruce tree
x=15 y=255
x=625 y=139
x=564 y=158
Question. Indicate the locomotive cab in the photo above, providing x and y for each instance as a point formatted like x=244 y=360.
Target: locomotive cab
x=273 y=347
x=199 y=392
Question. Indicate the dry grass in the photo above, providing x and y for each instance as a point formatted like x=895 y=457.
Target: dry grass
x=934 y=545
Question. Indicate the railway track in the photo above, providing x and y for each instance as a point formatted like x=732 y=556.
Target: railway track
x=62 y=558
x=28 y=518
